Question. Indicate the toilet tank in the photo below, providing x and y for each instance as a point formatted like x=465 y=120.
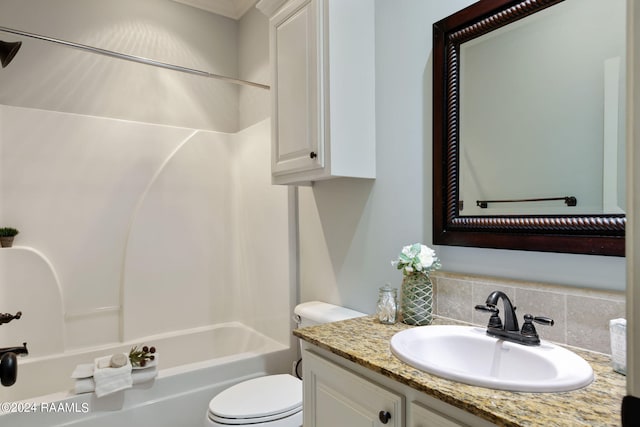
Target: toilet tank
x=317 y=312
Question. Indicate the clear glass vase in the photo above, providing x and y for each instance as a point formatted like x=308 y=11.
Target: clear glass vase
x=387 y=307
x=416 y=303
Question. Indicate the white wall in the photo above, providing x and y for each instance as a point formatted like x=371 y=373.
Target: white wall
x=350 y=230
x=253 y=65
x=53 y=77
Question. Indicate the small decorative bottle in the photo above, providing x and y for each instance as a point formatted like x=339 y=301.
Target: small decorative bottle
x=387 y=309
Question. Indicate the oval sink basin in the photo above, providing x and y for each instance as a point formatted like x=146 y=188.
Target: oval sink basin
x=468 y=355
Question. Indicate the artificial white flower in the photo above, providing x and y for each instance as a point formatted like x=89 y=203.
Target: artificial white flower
x=426 y=256
x=417 y=257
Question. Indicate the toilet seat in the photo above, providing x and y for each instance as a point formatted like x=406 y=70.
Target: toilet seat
x=258 y=400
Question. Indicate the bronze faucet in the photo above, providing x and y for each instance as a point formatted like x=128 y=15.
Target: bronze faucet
x=509 y=330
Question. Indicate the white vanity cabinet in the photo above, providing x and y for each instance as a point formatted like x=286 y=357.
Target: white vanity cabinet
x=421 y=416
x=322 y=89
x=338 y=392
x=334 y=396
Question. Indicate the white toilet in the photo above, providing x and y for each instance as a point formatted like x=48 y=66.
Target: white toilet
x=272 y=400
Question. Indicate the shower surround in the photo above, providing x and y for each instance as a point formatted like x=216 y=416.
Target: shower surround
x=130 y=229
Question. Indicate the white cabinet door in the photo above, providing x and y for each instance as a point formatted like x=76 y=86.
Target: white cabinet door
x=420 y=416
x=334 y=397
x=322 y=90
x=294 y=46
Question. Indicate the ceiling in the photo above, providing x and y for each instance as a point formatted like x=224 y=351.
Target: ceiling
x=230 y=8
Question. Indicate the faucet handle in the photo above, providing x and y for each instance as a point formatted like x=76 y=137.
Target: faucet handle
x=494 y=320
x=543 y=320
x=8 y=369
x=488 y=308
x=529 y=330
x=7 y=317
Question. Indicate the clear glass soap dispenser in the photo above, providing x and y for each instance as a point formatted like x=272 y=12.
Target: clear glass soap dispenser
x=387 y=309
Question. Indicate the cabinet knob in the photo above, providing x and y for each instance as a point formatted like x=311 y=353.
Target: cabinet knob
x=384 y=417
x=313 y=155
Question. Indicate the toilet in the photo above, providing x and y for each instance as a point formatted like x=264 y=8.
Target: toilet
x=272 y=400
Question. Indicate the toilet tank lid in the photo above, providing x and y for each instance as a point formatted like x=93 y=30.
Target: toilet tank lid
x=323 y=312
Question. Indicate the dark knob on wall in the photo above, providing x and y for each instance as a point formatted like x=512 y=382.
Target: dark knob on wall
x=384 y=417
x=313 y=155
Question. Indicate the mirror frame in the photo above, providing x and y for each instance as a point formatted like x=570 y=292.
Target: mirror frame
x=581 y=234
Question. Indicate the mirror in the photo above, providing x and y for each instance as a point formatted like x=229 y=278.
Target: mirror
x=528 y=126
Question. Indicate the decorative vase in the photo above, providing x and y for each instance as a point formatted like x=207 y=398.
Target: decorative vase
x=417 y=299
x=6 y=241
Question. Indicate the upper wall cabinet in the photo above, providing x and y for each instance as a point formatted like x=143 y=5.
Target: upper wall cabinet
x=322 y=89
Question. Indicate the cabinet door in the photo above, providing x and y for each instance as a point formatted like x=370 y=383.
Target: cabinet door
x=334 y=396
x=419 y=416
x=296 y=144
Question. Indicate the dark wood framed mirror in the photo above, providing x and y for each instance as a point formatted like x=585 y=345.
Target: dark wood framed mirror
x=575 y=229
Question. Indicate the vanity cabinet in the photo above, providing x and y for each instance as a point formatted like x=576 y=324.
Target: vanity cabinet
x=340 y=393
x=322 y=89
x=334 y=396
x=421 y=416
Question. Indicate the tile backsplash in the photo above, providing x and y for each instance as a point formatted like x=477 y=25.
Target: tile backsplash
x=581 y=315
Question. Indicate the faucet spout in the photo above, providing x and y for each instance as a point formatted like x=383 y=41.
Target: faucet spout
x=15 y=350
x=509 y=330
x=9 y=364
x=510 y=318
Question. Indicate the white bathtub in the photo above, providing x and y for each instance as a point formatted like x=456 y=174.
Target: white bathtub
x=194 y=365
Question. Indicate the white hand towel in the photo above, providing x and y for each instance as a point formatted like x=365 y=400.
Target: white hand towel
x=139 y=375
x=84 y=370
x=110 y=380
x=87 y=385
x=144 y=375
x=84 y=385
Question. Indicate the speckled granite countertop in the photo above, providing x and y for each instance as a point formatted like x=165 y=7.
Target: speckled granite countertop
x=366 y=342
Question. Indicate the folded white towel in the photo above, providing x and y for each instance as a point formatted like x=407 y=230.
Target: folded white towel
x=139 y=375
x=84 y=370
x=144 y=375
x=110 y=380
x=84 y=385
x=88 y=385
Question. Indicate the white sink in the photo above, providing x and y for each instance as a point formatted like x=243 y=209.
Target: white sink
x=467 y=354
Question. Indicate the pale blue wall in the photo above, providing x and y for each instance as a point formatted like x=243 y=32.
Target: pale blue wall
x=351 y=229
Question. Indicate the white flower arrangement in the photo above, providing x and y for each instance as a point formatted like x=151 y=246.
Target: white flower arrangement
x=417 y=258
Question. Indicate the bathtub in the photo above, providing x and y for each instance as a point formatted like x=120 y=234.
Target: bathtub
x=194 y=366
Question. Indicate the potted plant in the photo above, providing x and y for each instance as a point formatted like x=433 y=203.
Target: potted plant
x=6 y=236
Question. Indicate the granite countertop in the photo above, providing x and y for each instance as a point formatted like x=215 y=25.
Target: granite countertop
x=365 y=341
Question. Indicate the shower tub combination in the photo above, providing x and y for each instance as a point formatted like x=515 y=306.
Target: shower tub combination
x=194 y=366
